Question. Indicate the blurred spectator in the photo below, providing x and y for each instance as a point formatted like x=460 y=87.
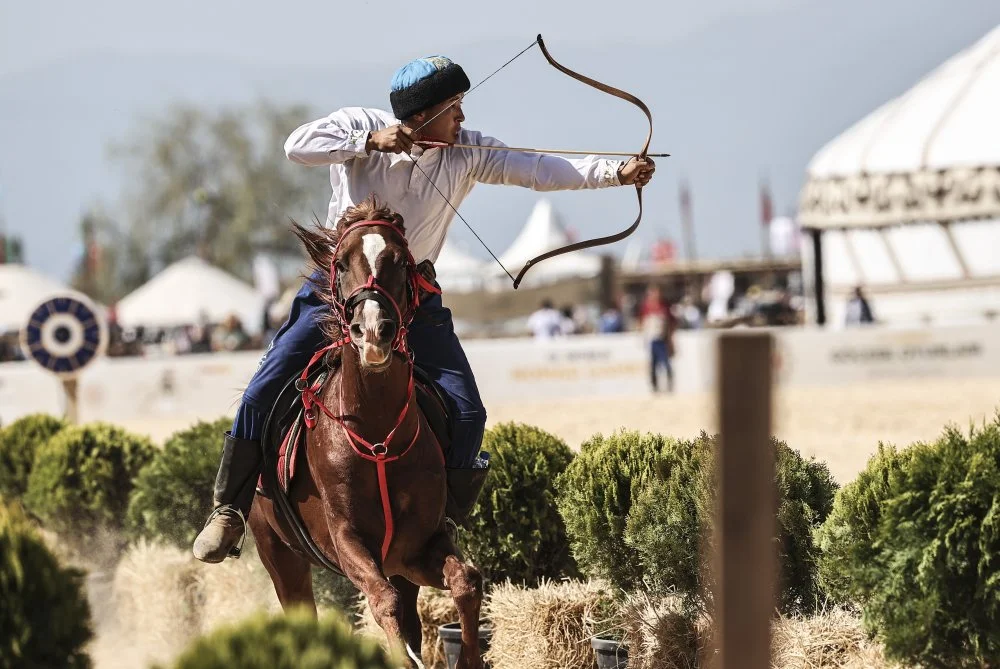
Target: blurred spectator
x=658 y=325
x=567 y=324
x=611 y=321
x=545 y=322
x=230 y=336
x=10 y=348
x=690 y=314
x=859 y=311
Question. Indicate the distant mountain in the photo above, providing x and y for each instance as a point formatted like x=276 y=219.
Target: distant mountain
x=742 y=99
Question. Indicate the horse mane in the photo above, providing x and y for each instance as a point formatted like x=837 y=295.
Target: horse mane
x=320 y=242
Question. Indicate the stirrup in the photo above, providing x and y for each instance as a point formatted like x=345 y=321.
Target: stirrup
x=236 y=550
x=451 y=527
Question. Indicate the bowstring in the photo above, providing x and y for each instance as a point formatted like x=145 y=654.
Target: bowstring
x=483 y=81
x=445 y=198
x=431 y=181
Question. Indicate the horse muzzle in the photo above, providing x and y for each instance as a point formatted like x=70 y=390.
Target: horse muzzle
x=374 y=338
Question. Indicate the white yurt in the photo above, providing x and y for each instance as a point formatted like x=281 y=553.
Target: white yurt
x=458 y=271
x=906 y=202
x=545 y=232
x=21 y=290
x=188 y=292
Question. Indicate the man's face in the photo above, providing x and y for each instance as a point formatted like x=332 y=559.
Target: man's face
x=446 y=126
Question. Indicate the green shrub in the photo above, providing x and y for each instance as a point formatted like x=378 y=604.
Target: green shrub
x=18 y=443
x=292 y=641
x=806 y=491
x=82 y=478
x=931 y=585
x=173 y=493
x=595 y=495
x=669 y=520
x=44 y=617
x=847 y=537
x=638 y=509
x=515 y=531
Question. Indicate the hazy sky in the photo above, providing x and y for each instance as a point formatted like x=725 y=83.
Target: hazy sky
x=295 y=32
x=740 y=91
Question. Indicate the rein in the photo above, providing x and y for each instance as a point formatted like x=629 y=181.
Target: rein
x=379 y=451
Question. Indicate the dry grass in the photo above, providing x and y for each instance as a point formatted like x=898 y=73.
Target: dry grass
x=435 y=607
x=161 y=598
x=548 y=627
x=831 y=639
x=659 y=636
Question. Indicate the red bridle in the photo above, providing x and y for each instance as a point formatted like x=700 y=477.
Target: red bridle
x=377 y=452
x=371 y=290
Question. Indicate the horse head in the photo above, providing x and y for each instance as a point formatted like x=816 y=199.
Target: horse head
x=372 y=278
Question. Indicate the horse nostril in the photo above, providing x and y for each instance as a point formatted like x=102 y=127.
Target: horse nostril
x=386 y=329
x=357 y=332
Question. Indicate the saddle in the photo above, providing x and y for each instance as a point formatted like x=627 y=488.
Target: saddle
x=285 y=433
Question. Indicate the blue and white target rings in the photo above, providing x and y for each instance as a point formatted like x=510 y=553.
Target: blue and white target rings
x=64 y=334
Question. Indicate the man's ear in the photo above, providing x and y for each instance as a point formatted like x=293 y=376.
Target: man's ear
x=417 y=119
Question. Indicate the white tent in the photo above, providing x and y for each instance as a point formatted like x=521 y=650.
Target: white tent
x=907 y=201
x=188 y=292
x=544 y=232
x=457 y=270
x=21 y=290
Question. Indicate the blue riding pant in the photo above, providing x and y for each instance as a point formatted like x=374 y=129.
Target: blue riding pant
x=431 y=339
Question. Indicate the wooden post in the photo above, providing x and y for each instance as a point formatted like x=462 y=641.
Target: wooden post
x=818 y=279
x=745 y=554
x=72 y=401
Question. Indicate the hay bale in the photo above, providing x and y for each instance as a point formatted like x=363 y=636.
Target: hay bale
x=436 y=608
x=548 y=627
x=658 y=634
x=830 y=639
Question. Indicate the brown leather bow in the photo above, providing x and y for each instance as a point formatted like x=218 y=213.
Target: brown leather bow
x=609 y=239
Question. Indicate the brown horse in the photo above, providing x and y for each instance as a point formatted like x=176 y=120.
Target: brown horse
x=370 y=442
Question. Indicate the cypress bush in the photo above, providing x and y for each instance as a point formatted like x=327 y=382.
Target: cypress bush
x=82 y=479
x=18 y=443
x=930 y=586
x=173 y=492
x=595 y=496
x=639 y=509
x=515 y=531
x=847 y=537
x=292 y=641
x=44 y=616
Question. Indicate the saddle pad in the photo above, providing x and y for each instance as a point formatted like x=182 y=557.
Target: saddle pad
x=288 y=430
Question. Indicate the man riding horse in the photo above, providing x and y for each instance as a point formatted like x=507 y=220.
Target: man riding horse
x=373 y=151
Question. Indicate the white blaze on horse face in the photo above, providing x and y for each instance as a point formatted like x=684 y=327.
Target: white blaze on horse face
x=372 y=244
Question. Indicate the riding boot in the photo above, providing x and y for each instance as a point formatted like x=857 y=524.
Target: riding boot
x=464 y=487
x=235 y=485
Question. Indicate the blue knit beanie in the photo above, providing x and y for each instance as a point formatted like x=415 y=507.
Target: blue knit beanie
x=425 y=82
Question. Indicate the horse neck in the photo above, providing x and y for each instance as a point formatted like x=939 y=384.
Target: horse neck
x=372 y=400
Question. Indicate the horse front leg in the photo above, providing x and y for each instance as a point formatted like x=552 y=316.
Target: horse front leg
x=384 y=599
x=442 y=567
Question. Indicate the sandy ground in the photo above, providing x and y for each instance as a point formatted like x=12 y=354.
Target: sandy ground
x=839 y=425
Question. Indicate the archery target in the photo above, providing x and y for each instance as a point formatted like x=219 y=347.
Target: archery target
x=64 y=334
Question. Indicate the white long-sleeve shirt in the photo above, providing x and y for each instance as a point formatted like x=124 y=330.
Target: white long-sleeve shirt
x=339 y=141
